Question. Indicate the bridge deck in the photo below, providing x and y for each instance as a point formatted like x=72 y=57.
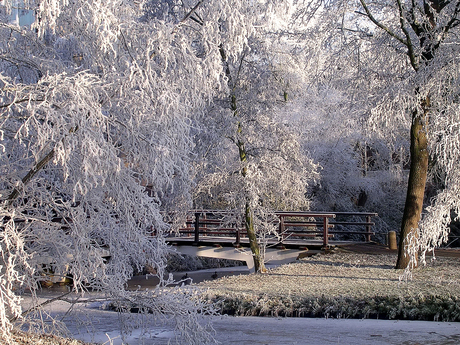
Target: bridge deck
x=244 y=242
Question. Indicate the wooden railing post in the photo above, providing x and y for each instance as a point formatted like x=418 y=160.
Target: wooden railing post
x=368 y=229
x=282 y=228
x=204 y=226
x=325 y=232
x=197 y=227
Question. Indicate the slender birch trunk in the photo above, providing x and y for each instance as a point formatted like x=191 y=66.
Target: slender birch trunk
x=259 y=264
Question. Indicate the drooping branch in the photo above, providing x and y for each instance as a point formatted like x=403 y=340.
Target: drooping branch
x=32 y=172
x=24 y=33
x=21 y=62
x=41 y=305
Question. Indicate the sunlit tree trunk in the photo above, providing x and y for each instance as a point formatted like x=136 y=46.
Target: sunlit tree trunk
x=415 y=189
x=259 y=264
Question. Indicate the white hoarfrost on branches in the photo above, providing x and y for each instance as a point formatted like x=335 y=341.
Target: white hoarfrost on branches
x=445 y=151
x=250 y=159
x=327 y=110
x=357 y=172
x=97 y=105
x=393 y=60
x=112 y=110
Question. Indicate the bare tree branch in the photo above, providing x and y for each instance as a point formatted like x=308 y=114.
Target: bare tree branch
x=190 y=13
x=379 y=24
x=409 y=45
x=454 y=21
x=41 y=305
x=32 y=172
x=6 y=105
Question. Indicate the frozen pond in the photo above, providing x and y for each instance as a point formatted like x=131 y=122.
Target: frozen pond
x=253 y=330
x=91 y=324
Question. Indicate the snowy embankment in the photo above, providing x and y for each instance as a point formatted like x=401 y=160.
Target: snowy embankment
x=344 y=285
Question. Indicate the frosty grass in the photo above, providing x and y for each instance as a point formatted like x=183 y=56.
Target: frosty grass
x=343 y=285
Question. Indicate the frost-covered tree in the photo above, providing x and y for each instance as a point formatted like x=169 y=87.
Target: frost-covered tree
x=250 y=161
x=399 y=59
x=97 y=103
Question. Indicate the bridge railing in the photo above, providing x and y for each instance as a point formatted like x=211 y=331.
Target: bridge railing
x=305 y=224
x=292 y=225
x=341 y=224
x=348 y=220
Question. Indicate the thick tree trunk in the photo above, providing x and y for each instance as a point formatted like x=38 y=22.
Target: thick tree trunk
x=416 y=186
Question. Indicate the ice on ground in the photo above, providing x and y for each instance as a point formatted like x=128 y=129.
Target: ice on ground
x=90 y=323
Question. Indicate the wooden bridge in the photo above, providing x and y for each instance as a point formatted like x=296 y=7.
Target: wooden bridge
x=221 y=234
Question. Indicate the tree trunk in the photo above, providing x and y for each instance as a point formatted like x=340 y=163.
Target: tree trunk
x=248 y=212
x=259 y=264
x=416 y=185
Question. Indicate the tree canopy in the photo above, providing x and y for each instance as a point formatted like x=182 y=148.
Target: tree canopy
x=98 y=101
x=113 y=111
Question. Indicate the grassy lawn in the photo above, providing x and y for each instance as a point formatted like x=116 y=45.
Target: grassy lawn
x=344 y=285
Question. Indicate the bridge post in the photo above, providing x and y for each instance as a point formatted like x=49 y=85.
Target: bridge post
x=325 y=232
x=197 y=227
x=282 y=228
x=368 y=229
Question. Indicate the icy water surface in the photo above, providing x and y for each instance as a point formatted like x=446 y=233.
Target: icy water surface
x=92 y=324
